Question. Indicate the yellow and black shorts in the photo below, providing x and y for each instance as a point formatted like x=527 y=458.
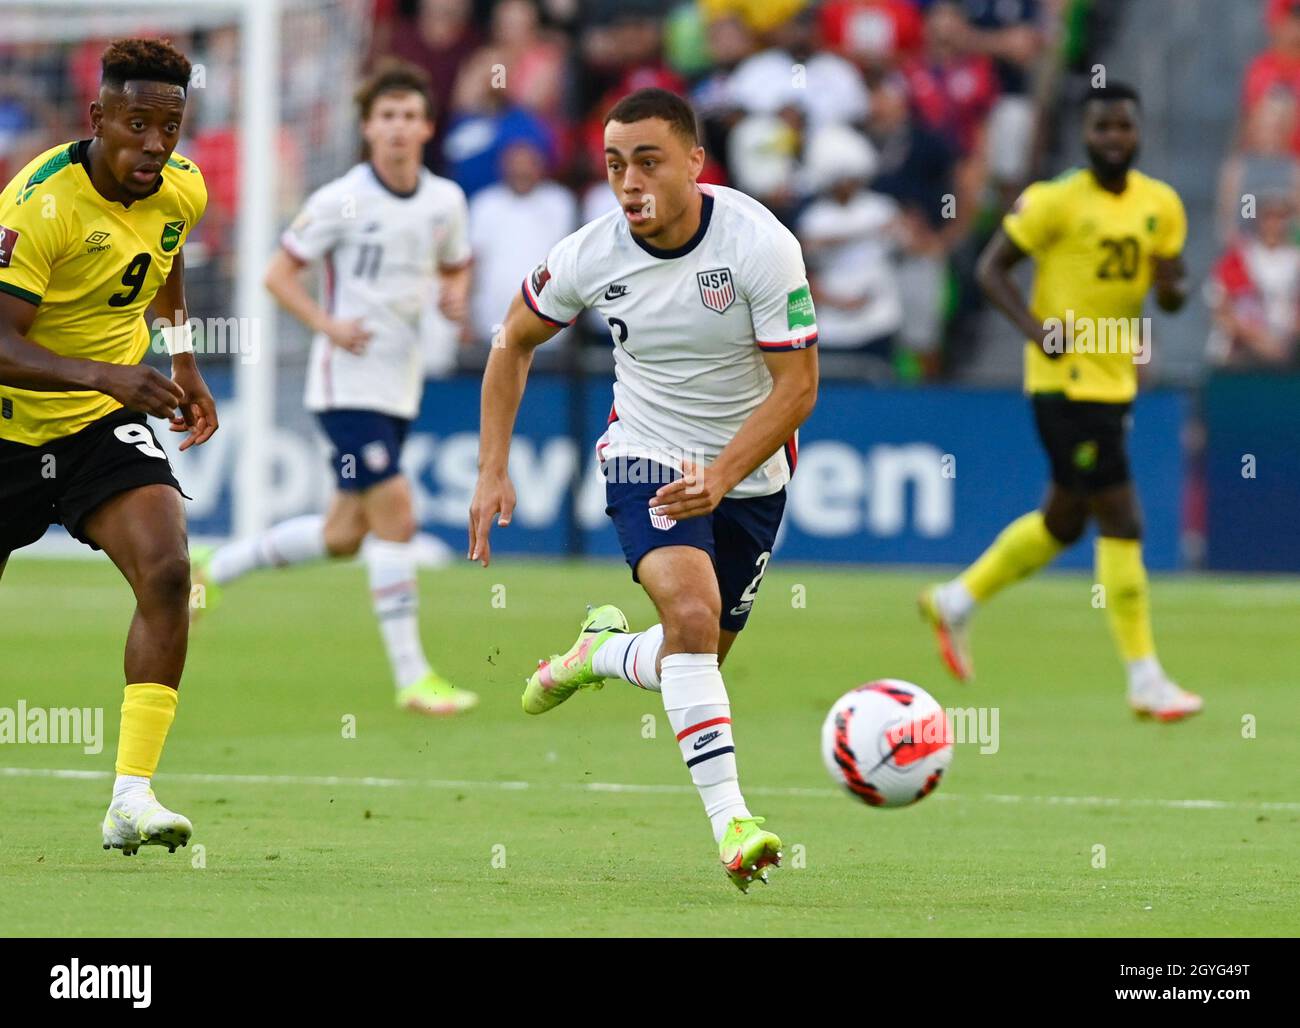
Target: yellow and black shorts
x=1086 y=442
x=65 y=479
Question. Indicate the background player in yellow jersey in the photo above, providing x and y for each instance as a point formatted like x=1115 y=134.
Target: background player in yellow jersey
x=1100 y=237
x=90 y=238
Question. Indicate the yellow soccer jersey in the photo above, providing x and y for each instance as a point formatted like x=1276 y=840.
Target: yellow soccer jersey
x=92 y=267
x=1092 y=250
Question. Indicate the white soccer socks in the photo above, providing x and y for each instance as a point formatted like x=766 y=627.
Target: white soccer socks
x=396 y=604
x=695 y=700
x=295 y=541
x=633 y=657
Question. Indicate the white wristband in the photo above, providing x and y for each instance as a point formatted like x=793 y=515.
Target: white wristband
x=178 y=338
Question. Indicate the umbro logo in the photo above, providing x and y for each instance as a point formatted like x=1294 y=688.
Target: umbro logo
x=97 y=242
x=705 y=739
x=615 y=291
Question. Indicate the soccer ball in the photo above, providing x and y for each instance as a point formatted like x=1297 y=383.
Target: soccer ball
x=887 y=742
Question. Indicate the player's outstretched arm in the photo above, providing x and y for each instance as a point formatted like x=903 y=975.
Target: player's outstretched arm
x=27 y=365
x=765 y=431
x=504 y=379
x=993 y=273
x=198 y=410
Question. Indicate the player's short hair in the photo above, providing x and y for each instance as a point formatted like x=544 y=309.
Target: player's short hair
x=392 y=75
x=150 y=60
x=657 y=103
x=1113 y=91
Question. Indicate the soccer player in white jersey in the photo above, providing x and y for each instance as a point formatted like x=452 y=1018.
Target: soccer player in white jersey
x=393 y=239
x=707 y=301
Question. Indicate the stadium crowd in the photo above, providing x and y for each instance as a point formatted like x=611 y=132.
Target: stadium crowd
x=889 y=135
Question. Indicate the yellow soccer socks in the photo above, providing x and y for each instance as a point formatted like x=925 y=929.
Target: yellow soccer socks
x=1020 y=549
x=147 y=713
x=1123 y=576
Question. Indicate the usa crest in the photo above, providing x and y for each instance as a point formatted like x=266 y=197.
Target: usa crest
x=717 y=291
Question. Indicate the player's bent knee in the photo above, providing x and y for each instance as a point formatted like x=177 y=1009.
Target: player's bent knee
x=1066 y=532
x=344 y=545
x=691 y=625
x=164 y=582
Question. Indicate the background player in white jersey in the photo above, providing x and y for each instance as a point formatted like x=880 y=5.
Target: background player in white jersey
x=707 y=300
x=393 y=239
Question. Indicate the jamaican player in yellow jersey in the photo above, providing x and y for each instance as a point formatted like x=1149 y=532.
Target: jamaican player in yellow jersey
x=90 y=239
x=1100 y=238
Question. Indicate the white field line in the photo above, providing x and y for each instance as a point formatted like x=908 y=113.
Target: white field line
x=625 y=787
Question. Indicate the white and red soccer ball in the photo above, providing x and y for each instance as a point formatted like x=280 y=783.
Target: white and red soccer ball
x=887 y=742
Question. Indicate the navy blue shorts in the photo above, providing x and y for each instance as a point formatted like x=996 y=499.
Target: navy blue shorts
x=367 y=446
x=738 y=536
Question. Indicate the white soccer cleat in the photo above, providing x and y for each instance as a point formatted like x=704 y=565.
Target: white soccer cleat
x=1164 y=701
x=134 y=822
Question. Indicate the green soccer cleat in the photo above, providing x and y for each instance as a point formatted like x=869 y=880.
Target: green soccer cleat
x=557 y=679
x=747 y=851
x=436 y=696
x=143 y=821
x=205 y=594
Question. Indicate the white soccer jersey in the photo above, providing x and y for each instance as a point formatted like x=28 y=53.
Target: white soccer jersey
x=381 y=251
x=688 y=325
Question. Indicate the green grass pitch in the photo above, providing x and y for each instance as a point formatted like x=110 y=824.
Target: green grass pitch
x=577 y=823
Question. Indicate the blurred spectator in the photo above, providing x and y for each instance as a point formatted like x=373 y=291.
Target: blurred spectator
x=916 y=164
x=952 y=88
x=764 y=154
x=533 y=59
x=1254 y=292
x=876 y=34
x=483 y=125
x=1277 y=68
x=847 y=235
x=730 y=41
x=621 y=54
x=794 y=72
x=917 y=168
x=1008 y=32
x=758 y=15
x=1263 y=162
x=512 y=227
x=439 y=39
x=27 y=125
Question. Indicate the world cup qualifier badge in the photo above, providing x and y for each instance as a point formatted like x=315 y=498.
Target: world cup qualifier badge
x=8 y=240
x=171 y=235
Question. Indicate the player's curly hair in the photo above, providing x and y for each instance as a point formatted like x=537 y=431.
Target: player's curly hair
x=392 y=75
x=152 y=60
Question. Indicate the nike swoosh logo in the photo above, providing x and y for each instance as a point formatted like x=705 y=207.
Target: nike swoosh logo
x=614 y=292
x=705 y=739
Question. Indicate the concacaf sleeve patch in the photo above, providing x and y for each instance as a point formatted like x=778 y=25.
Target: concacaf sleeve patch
x=8 y=240
x=799 y=309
